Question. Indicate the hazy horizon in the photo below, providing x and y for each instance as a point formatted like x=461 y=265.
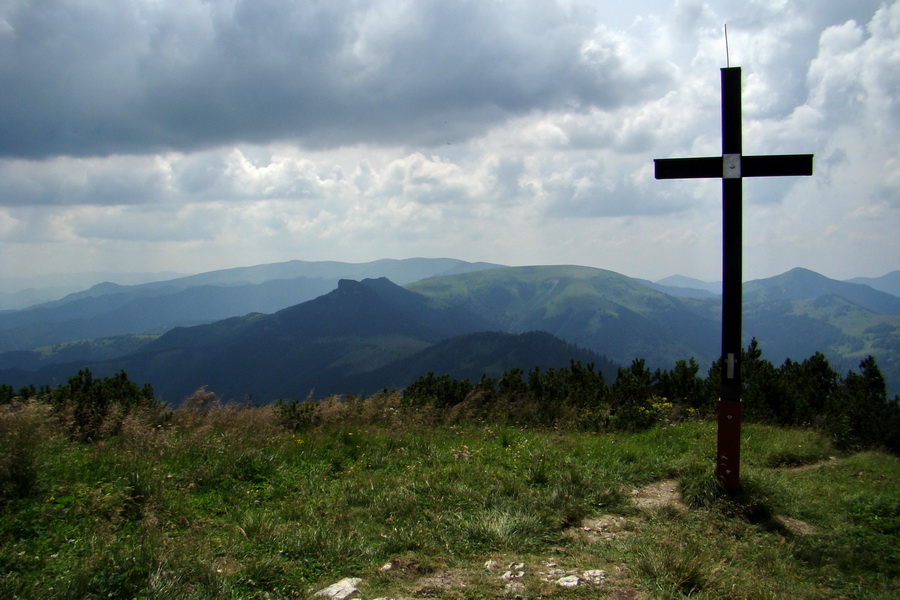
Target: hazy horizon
x=78 y=281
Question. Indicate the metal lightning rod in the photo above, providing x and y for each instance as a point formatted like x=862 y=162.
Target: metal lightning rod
x=727 y=55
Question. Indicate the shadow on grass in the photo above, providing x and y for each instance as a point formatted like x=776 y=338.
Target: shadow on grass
x=754 y=502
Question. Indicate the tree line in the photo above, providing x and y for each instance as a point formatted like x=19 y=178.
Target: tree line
x=853 y=408
x=90 y=408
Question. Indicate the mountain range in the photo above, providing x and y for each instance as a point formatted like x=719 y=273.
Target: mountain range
x=291 y=329
x=109 y=309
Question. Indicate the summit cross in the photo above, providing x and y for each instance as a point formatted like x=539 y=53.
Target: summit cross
x=731 y=167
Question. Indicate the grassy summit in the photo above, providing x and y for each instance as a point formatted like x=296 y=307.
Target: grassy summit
x=219 y=501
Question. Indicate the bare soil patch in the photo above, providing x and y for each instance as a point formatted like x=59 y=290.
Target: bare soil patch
x=605 y=528
x=659 y=494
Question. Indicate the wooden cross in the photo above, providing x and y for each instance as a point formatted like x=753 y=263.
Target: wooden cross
x=731 y=167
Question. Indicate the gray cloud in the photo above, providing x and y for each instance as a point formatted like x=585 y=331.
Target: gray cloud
x=97 y=78
x=63 y=181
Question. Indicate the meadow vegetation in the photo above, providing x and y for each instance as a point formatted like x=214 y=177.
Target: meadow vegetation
x=105 y=493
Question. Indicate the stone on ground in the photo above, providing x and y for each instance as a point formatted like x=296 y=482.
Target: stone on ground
x=341 y=590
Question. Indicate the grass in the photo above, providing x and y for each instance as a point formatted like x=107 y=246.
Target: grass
x=223 y=502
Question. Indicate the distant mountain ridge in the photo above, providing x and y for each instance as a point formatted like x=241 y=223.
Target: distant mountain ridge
x=361 y=335
x=110 y=309
x=803 y=284
x=311 y=346
x=608 y=313
x=400 y=271
x=686 y=284
x=680 y=285
x=17 y=293
x=889 y=283
x=678 y=291
x=356 y=339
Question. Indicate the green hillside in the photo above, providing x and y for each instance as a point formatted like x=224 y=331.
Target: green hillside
x=843 y=331
x=609 y=313
x=803 y=284
x=793 y=315
x=473 y=355
x=92 y=350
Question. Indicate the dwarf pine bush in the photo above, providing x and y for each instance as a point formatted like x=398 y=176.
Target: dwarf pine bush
x=93 y=409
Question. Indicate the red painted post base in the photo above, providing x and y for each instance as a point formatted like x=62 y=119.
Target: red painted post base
x=728 y=460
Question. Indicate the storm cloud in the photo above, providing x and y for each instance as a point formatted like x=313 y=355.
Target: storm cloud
x=99 y=78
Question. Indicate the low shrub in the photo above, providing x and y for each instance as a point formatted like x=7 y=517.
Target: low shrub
x=24 y=428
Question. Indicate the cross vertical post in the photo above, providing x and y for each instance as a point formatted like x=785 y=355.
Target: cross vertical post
x=731 y=167
x=728 y=458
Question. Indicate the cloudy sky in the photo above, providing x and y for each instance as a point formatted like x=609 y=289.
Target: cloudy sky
x=192 y=135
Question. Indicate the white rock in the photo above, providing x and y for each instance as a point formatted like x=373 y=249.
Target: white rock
x=341 y=590
x=516 y=566
x=595 y=576
x=491 y=565
x=569 y=581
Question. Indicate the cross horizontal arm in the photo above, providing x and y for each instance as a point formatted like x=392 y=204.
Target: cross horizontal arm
x=711 y=167
x=688 y=168
x=777 y=166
